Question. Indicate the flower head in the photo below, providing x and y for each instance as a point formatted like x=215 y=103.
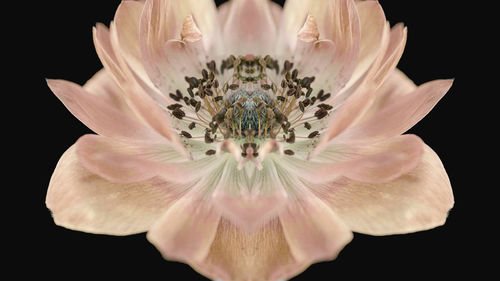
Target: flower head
x=249 y=141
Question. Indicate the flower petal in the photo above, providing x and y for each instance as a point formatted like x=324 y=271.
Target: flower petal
x=141 y=102
x=401 y=114
x=83 y=201
x=186 y=231
x=240 y=256
x=314 y=233
x=99 y=113
x=249 y=28
x=124 y=162
x=249 y=199
x=416 y=201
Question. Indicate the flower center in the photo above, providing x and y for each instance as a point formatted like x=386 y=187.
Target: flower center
x=250 y=106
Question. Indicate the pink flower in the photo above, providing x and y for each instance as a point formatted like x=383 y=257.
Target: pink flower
x=249 y=141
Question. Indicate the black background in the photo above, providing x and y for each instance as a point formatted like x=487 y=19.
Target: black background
x=57 y=43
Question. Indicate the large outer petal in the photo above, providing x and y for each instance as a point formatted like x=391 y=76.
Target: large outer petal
x=314 y=233
x=83 y=201
x=416 y=201
x=186 y=231
x=399 y=114
x=127 y=161
x=100 y=113
x=249 y=27
x=239 y=256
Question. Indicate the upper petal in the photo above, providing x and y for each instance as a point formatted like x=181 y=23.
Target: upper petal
x=249 y=27
x=100 y=113
x=418 y=200
x=81 y=200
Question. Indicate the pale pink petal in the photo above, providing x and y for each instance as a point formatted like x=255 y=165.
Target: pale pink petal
x=139 y=101
x=395 y=87
x=240 y=256
x=401 y=114
x=186 y=231
x=124 y=162
x=314 y=233
x=359 y=96
x=249 y=206
x=249 y=28
x=166 y=58
x=372 y=26
x=81 y=200
x=98 y=113
x=104 y=86
x=416 y=201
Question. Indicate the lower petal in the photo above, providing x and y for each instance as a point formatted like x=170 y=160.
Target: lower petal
x=83 y=201
x=419 y=200
x=186 y=231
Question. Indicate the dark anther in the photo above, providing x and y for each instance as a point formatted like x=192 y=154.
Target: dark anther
x=291 y=138
x=178 y=113
x=298 y=93
x=208 y=139
x=283 y=83
x=289 y=152
x=204 y=73
x=320 y=94
x=255 y=154
x=234 y=86
x=325 y=97
x=286 y=125
x=244 y=154
x=193 y=102
x=313 y=134
x=287 y=76
x=290 y=92
x=186 y=134
x=192 y=125
x=295 y=72
x=281 y=98
x=301 y=106
x=219 y=98
x=192 y=81
x=178 y=93
x=197 y=106
x=305 y=82
x=313 y=100
x=287 y=66
x=307 y=125
x=186 y=100
x=190 y=92
x=309 y=91
x=211 y=76
x=306 y=101
x=210 y=152
x=212 y=66
x=325 y=106
x=265 y=86
x=174 y=97
x=216 y=84
x=174 y=106
x=321 y=113
x=209 y=92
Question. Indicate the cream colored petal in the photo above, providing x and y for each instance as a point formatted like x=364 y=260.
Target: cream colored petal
x=83 y=201
x=238 y=256
x=417 y=201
